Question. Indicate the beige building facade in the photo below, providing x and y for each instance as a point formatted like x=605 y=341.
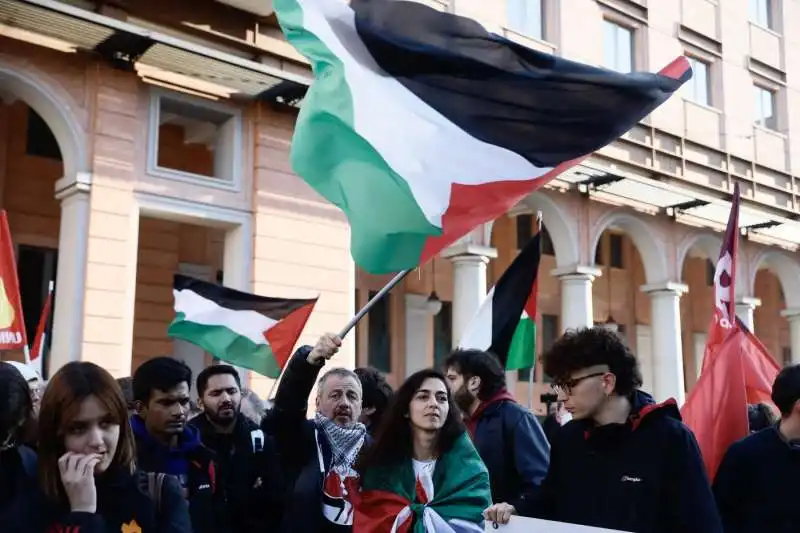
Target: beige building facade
x=145 y=139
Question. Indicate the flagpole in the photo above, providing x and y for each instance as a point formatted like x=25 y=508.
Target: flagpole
x=531 y=376
x=375 y=299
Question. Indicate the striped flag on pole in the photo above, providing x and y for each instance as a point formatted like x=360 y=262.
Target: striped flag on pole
x=41 y=330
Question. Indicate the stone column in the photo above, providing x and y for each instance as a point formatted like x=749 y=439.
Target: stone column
x=418 y=333
x=70 y=287
x=469 y=282
x=237 y=270
x=667 y=349
x=576 y=295
x=793 y=316
x=744 y=310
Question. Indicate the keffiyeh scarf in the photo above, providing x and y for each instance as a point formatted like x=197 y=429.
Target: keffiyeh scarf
x=345 y=442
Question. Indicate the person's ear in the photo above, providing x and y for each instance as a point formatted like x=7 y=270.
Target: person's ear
x=141 y=408
x=368 y=411
x=609 y=383
x=474 y=385
x=200 y=404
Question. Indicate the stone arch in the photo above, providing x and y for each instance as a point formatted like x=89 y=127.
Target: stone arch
x=649 y=245
x=711 y=244
x=565 y=240
x=786 y=269
x=54 y=106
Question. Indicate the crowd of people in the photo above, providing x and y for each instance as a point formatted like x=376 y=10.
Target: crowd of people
x=448 y=451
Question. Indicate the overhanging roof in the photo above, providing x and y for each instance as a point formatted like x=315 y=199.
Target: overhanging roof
x=262 y=8
x=128 y=46
x=683 y=204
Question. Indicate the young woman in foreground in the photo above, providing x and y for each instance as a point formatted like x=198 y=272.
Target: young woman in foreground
x=422 y=473
x=86 y=462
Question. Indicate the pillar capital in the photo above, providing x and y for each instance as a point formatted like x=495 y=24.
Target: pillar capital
x=749 y=302
x=468 y=252
x=577 y=273
x=417 y=304
x=69 y=186
x=667 y=288
x=792 y=314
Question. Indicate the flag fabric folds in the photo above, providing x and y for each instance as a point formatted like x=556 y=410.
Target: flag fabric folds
x=12 y=322
x=247 y=330
x=452 y=500
x=420 y=125
x=505 y=323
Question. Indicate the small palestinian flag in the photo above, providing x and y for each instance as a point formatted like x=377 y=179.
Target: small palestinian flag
x=452 y=499
x=421 y=125
x=247 y=330
x=505 y=324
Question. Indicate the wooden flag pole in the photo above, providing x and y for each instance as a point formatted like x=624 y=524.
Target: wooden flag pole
x=533 y=367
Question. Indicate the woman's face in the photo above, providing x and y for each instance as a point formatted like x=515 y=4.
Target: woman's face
x=93 y=430
x=429 y=408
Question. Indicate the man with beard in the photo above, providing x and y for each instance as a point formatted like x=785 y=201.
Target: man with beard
x=249 y=488
x=507 y=436
x=166 y=444
x=317 y=455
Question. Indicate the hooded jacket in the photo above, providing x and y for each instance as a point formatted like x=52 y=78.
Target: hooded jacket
x=18 y=489
x=123 y=505
x=643 y=476
x=249 y=481
x=513 y=446
x=756 y=484
x=191 y=462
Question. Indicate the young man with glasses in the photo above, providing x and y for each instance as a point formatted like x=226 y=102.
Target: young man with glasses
x=624 y=462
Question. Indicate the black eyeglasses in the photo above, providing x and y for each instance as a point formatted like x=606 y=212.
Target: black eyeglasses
x=567 y=386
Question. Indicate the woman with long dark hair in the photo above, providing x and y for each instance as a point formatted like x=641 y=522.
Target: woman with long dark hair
x=86 y=462
x=422 y=473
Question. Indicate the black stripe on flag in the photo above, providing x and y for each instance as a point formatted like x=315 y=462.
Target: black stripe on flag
x=510 y=295
x=544 y=108
x=274 y=308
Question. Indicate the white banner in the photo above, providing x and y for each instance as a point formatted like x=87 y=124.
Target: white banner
x=518 y=524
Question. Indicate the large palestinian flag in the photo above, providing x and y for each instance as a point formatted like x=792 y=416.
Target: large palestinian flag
x=505 y=323
x=247 y=330
x=420 y=125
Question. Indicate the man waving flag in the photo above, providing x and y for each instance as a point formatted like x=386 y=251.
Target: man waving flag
x=422 y=125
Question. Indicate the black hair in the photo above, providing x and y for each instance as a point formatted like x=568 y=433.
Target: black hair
x=786 y=389
x=484 y=365
x=215 y=370
x=159 y=373
x=393 y=442
x=586 y=347
x=375 y=392
x=16 y=408
x=759 y=416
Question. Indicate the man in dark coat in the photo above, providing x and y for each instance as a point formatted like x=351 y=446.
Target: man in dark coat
x=507 y=436
x=756 y=484
x=623 y=462
x=249 y=486
x=318 y=455
x=164 y=441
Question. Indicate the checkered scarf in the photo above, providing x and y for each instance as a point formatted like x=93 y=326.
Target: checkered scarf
x=345 y=442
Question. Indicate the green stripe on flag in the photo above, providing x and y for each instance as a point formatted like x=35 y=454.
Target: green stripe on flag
x=226 y=345
x=343 y=167
x=522 y=352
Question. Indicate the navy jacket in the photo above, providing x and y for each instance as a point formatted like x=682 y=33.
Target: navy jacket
x=514 y=449
x=297 y=445
x=249 y=484
x=644 y=476
x=757 y=484
x=192 y=463
x=123 y=499
x=18 y=490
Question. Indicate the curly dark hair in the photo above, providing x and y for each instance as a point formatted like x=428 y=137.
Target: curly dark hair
x=393 y=443
x=482 y=364
x=376 y=392
x=585 y=347
x=786 y=389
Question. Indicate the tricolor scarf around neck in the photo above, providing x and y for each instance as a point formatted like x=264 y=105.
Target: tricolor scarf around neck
x=345 y=442
x=393 y=500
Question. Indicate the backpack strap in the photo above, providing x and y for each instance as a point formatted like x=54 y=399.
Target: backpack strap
x=257 y=439
x=155 y=485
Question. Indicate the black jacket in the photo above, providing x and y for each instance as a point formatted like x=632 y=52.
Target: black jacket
x=123 y=499
x=644 y=476
x=18 y=489
x=514 y=449
x=192 y=463
x=249 y=483
x=296 y=439
x=757 y=485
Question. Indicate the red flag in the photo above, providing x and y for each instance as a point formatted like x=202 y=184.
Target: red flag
x=12 y=323
x=740 y=371
x=38 y=341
